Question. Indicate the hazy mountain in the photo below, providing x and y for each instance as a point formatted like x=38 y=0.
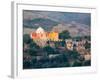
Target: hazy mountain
x=78 y=24
x=61 y=17
x=75 y=29
x=47 y=24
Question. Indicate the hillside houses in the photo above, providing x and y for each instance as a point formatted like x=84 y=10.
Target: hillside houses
x=46 y=49
x=41 y=34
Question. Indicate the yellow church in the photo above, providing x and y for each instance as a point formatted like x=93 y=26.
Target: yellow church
x=40 y=34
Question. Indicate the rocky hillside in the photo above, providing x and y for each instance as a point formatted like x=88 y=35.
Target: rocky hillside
x=75 y=29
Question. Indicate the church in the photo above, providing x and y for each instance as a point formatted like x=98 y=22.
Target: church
x=41 y=34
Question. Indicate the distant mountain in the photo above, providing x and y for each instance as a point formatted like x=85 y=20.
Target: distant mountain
x=75 y=29
x=78 y=24
x=47 y=24
x=60 y=17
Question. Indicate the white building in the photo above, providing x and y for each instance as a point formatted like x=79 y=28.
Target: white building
x=69 y=44
x=41 y=33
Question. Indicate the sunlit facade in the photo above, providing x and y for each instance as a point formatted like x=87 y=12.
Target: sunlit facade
x=40 y=34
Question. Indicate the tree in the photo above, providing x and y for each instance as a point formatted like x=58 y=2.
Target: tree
x=33 y=48
x=78 y=38
x=32 y=51
x=87 y=45
x=87 y=63
x=76 y=64
x=57 y=44
x=49 y=50
x=26 y=38
x=64 y=35
x=73 y=54
x=33 y=44
x=87 y=37
x=27 y=64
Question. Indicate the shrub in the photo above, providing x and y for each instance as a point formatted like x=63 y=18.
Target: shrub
x=49 y=50
x=26 y=38
x=27 y=64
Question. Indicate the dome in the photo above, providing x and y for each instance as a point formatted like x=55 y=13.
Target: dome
x=40 y=30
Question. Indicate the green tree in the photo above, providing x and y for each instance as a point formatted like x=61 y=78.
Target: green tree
x=78 y=38
x=73 y=54
x=87 y=37
x=64 y=35
x=33 y=44
x=76 y=64
x=49 y=50
x=27 y=64
x=32 y=51
x=87 y=63
x=26 y=38
x=87 y=45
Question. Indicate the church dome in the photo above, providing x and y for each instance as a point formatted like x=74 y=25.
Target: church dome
x=40 y=30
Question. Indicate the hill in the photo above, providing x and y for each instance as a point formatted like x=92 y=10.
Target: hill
x=47 y=24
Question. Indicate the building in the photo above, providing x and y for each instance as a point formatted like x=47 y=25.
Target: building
x=53 y=36
x=69 y=44
x=40 y=36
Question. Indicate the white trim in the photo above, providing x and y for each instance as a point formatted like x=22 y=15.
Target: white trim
x=13 y=41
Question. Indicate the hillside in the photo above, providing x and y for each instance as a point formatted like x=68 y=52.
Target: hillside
x=60 y=17
x=78 y=24
x=47 y=24
x=75 y=29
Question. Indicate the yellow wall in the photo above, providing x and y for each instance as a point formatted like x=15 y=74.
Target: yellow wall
x=53 y=36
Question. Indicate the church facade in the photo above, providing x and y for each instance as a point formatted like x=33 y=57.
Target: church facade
x=41 y=34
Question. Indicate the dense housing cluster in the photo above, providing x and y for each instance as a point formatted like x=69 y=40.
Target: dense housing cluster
x=52 y=49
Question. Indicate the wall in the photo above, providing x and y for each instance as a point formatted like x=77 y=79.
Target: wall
x=5 y=38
